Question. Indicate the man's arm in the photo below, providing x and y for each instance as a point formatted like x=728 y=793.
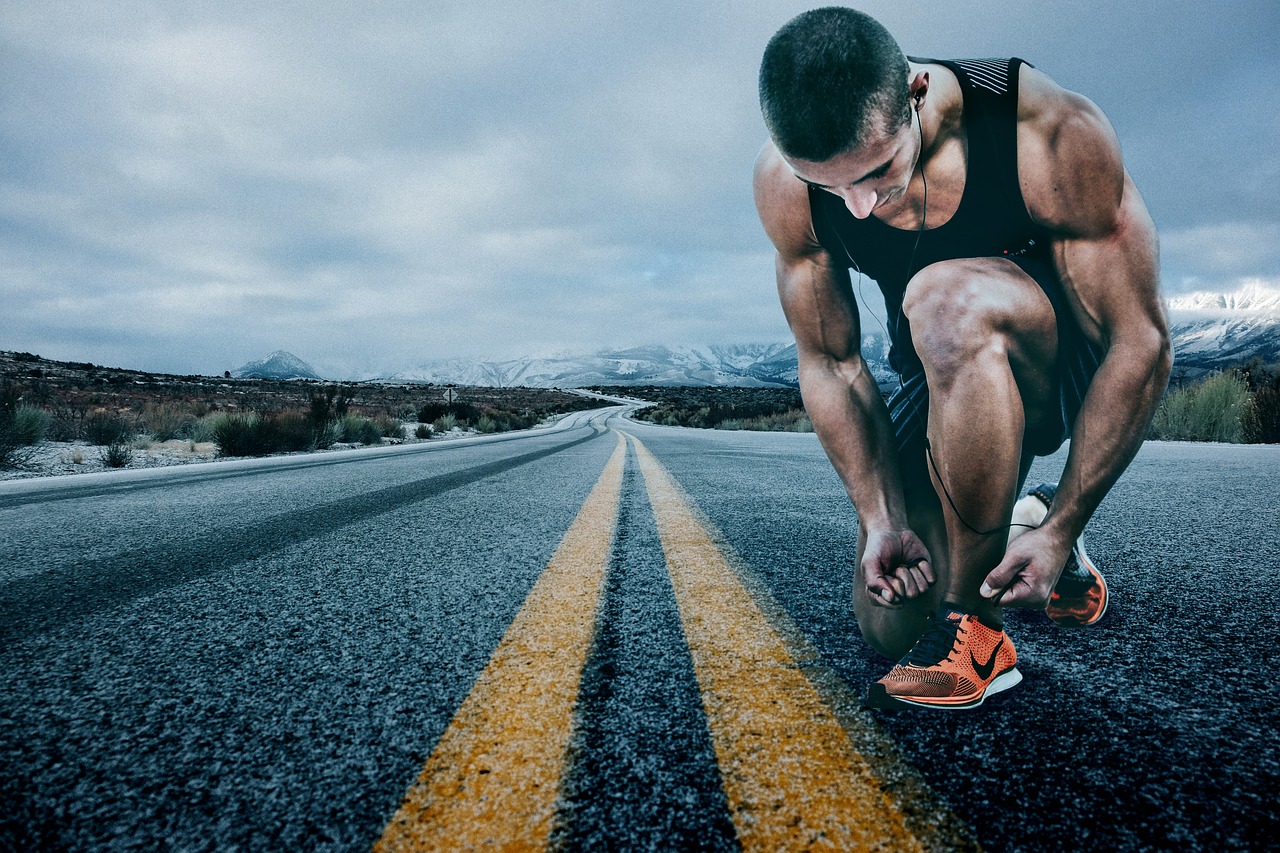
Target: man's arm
x=1106 y=254
x=840 y=394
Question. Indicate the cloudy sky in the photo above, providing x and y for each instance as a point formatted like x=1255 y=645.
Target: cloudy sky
x=188 y=186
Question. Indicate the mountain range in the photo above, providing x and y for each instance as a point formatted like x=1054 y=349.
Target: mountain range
x=1211 y=331
x=759 y=365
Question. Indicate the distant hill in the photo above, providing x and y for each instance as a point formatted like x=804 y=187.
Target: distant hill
x=278 y=365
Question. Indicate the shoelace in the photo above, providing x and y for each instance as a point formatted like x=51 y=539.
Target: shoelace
x=935 y=645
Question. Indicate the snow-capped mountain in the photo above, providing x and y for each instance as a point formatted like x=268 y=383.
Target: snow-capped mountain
x=740 y=365
x=1212 y=331
x=747 y=365
x=278 y=365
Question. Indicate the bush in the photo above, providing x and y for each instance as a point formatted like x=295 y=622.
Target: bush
x=163 y=422
x=486 y=424
x=1262 y=417
x=461 y=411
x=116 y=455
x=290 y=431
x=445 y=422
x=328 y=435
x=423 y=431
x=775 y=409
x=260 y=434
x=432 y=411
x=202 y=429
x=238 y=435
x=105 y=428
x=326 y=406
x=21 y=427
x=68 y=423
x=27 y=425
x=360 y=430
x=389 y=427
x=1210 y=411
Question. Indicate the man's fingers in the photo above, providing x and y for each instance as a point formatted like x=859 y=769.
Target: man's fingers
x=921 y=579
x=911 y=582
x=998 y=580
x=881 y=592
x=1014 y=585
x=1000 y=596
x=883 y=596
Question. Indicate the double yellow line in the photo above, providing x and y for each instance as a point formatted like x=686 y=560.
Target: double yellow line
x=791 y=774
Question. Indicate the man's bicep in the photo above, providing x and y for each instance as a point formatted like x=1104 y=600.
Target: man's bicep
x=1114 y=276
x=817 y=299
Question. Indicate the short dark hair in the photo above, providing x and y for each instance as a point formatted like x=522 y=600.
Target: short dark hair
x=826 y=77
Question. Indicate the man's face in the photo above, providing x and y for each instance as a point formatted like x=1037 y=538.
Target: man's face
x=870 y=178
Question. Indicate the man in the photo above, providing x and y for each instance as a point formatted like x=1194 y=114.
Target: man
x=1019 y=271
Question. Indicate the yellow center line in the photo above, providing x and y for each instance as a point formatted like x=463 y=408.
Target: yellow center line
x=791 y=775
x=493 y=778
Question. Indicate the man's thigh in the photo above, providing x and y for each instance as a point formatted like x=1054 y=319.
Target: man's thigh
x=961 y=311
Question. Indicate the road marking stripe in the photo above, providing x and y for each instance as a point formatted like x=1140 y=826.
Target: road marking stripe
x=792 y=778
x=493 y=778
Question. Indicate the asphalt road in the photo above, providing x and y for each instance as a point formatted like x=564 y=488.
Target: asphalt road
x=314 y=654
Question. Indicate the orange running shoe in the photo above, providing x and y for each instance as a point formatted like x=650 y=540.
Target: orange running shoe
x=1080 y=597
x=956 y=664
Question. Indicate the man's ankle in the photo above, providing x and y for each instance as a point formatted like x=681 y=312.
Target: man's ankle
x=979 y=608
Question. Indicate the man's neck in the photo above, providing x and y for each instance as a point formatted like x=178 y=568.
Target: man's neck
x=942 y=116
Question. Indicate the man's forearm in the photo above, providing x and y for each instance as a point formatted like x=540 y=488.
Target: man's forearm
x=850 y=418
x=1112 y=424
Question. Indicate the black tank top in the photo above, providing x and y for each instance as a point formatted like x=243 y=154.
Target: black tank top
x=991 y=220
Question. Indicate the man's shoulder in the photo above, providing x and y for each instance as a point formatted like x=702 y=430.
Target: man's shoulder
x=782 y=202
x=1069 y=162
x=772 y=177
x=1043 y=101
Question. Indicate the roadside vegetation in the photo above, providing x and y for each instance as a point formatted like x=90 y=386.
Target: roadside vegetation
x=1240 y=405
x=114 y=414
x=22 y=427
x=765 y=409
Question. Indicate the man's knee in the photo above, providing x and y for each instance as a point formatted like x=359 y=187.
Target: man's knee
x=964 y=311
x=889 y=632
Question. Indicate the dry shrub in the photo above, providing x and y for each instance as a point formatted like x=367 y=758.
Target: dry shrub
x=1212 y=410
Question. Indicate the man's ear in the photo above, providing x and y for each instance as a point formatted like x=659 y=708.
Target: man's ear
x=918 y=88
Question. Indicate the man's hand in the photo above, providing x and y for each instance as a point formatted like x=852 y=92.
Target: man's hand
x=897 y=568
x=1030 y=569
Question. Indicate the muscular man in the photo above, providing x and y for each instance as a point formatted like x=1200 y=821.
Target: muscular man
x=1019 y=271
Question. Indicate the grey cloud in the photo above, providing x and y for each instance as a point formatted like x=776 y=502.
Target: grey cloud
x=186 y=186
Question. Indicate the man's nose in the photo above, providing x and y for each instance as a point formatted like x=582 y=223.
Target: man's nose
x=859 y=200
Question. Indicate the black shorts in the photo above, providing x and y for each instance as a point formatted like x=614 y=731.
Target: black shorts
x=1078 y=360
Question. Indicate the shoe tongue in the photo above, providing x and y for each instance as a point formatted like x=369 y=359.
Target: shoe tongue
x=936 y=642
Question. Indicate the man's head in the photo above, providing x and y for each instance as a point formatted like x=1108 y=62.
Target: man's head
x=830 y=78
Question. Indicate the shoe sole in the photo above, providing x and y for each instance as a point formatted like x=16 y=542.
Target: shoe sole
x=1083 y=557
x=1029 y=512
x=878 y=697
